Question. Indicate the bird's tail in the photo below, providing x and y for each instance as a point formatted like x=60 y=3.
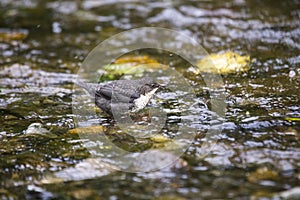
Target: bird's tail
x=89 y=87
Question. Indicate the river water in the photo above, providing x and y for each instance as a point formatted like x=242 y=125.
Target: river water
x=257 y=153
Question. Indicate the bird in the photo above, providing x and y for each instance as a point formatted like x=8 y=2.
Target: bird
x=121 y=95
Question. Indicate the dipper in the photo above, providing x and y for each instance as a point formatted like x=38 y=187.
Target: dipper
x=131 y=95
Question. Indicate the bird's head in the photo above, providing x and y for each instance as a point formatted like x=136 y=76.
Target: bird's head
x=148 y=85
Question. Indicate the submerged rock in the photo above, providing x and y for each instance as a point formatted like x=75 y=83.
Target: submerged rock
x=293 y=193
x=136 y=59
x=88 y=129
x=169 y=197
x=262 y=173
x=13 y=35
x=88 y=169
x=36 y=129
x=151 y=164
x=129 y=65
x=222 y=63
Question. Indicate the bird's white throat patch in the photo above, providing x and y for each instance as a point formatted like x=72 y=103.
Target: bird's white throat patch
x=143 y=100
